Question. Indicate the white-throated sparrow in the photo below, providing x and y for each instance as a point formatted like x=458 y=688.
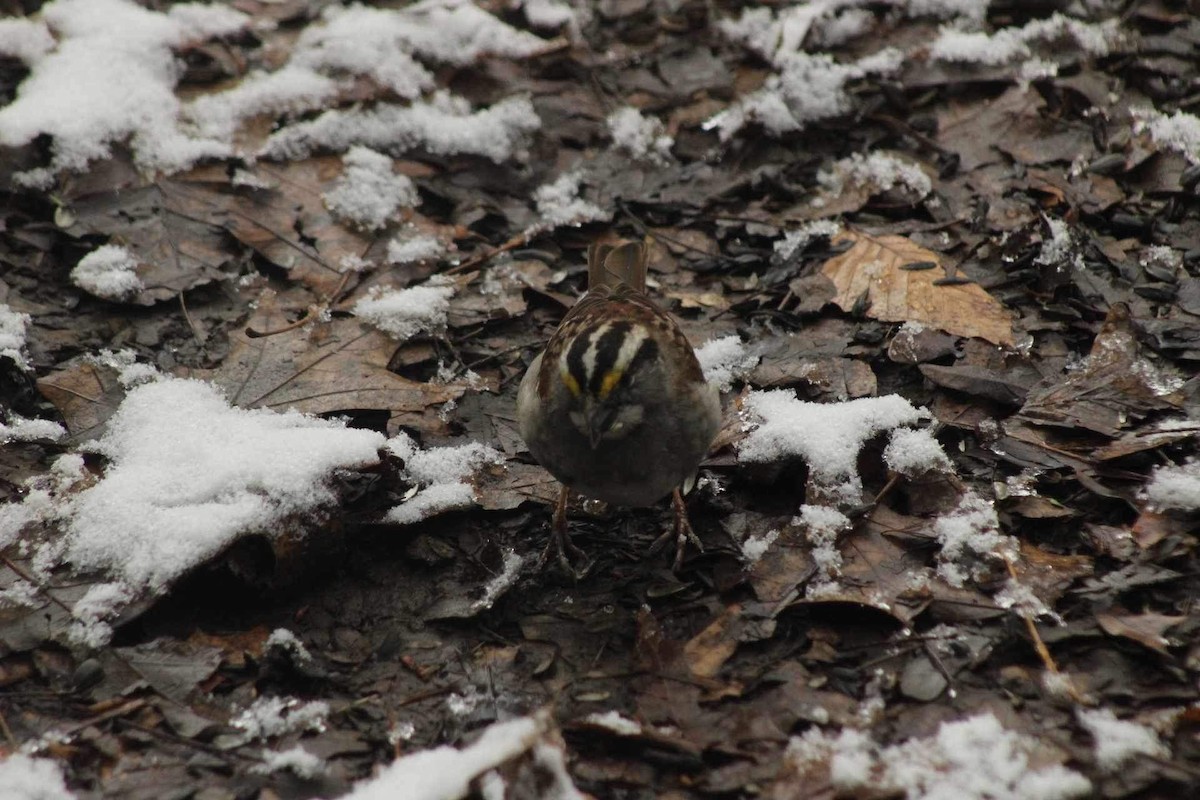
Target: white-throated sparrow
x=616 y=407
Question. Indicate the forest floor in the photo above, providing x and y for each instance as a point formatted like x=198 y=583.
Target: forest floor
x=985 y=587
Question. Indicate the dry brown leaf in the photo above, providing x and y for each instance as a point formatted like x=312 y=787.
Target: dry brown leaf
x=290 y=225
x=175 y=241
x=873 y=265
x=1151 y=527
x=706 y=652
x=1116 y=388
x=326 y=367
x=516 y=483
x=1049 y=575
x=86 y=394
x=1145 y=629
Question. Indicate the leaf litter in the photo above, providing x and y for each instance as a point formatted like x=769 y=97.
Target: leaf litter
x=940 y=261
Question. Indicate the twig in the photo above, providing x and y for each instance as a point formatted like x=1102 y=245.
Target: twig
x=1040 y=646
x=8 y=734
x=936 y=660
x=479 y=361
x=314 y=312
x=903 y=128
x=426 y=695
x=177 y=739
x=191 y=323
x=37 y=584
x=519 y=240
x=119 y=711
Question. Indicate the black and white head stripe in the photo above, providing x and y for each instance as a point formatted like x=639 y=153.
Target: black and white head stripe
x=598 y=359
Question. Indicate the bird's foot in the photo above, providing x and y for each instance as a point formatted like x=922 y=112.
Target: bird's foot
x=681 y=532
x=565 y=552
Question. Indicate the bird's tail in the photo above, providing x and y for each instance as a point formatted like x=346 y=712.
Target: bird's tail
x=612 y=266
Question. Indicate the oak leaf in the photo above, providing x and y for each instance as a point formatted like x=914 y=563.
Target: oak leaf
x=874 y=266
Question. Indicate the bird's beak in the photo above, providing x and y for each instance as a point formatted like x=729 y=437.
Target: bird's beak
x=594 y=434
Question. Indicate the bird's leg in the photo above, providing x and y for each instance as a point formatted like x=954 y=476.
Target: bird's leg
x=564 y=549
x=681 y=532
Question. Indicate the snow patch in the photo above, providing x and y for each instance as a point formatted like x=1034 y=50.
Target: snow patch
x=268 y=717
x=827 y=436
x=799 y=238
x=559 y=203
x=510 y=570
x=410 y=246
x=913 y=452
x=108 y=272
x=1175 y=487
x=295 y=760
x=109 y=78
x=446 y=772
x=881 y=171
x=640 y=136
x=725 y=360
x=1179 y=131
x=755 y=547
x=822 y=526
x=1118 y=741
x=19 y=429
x=12 y=335
x=972 y=759
x=1009 y=44
x=25 y=778
x=368 y=193
x=970 y=539
x=285 y=640
x=440 y=477
x=808 y=88
x=403 y=313
x=442 y=125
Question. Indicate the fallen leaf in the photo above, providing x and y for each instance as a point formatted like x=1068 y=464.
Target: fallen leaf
x=1145 y=629
x=1151 y=527
x=707 y=651
x=1116 y=388
x=340 y=365
x=1001 y=386
x=979 y=130
x=874 y=266
x=875 y=571
x=1049 y=575
x=287 y=224
x=86 y=394
x=1140 y=441
x=172 y=667
x=176 y=243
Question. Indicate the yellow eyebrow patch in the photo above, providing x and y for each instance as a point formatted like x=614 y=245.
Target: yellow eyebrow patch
x=610 y=381
x=569 y=381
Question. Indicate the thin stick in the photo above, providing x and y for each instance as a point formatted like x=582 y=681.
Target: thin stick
x=519 y=240
x=26 y=576
x=191 y=323
x=314 y=312
x=1040 y=646
x=119 y=711
x=8 y=734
